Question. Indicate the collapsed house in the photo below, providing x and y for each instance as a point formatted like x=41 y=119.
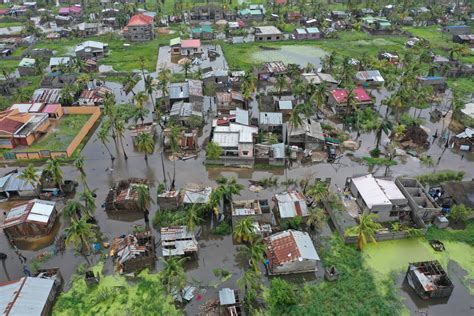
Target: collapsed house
x=33 y=219
x=123 y=197
x=290 y=204
x=290 y=251
x=259 y=210
x=133 y=252
x=429 y=280
x=196 y=195
x=178 y=241
x=28 y=295
x=168 y=200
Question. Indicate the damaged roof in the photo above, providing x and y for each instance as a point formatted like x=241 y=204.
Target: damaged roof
x=291 y=204
x=38 y=211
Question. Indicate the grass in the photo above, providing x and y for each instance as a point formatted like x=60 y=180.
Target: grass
x=62 y=135
x=9 y=65
x=10 y=24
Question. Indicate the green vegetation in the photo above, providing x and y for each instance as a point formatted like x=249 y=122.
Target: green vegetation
x=465 y=86
x=115 y=296
x=60 y=137
x=440 y=177
x=10 y=24
x=465 y=235
x=222 y=229
x=22 y=94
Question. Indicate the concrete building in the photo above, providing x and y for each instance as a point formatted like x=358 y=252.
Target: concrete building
x=235 y=140
x=290 y=204
x=290 y=251
x=338 y=99
x=259 y=210
x=27 y=67
x=139 y=28
x=91 y=49
x=191 y=47
x=379 y=196
x=309 y=135
x=178 y=241
x=30 y=220
x=268 y=34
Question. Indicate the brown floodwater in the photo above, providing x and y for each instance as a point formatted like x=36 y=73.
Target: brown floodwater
x=221 y=251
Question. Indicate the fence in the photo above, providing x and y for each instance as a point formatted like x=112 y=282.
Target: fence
x=42 y=154
x=231 y=161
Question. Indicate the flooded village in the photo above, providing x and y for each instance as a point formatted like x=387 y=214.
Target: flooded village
x=237 y=157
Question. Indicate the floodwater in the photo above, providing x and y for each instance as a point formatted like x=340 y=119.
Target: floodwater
x=215 y=251
x=292 y=54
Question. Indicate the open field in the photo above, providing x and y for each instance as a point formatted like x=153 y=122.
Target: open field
x=61 y=135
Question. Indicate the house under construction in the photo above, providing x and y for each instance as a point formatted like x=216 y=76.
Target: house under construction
x=429 y=280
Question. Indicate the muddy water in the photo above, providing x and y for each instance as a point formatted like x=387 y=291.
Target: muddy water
x=216 y=252
x=292 y=54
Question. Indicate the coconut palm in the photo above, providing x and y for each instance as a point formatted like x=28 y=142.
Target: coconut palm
x=329 y=62
x=80 y=233
x=316 y=218
x=174 y=137
x=365 y=229
x=120 y=130
x=255 y=253
x=143 y=200
x=295 y=120
x=145 y=144
x=73 y=210
x=164 y=77
x=319 y=96
x=140 y=100
x=350 y=102
x=173 y=274
x=31 y=176
x=53 y=168
x=89 y=201
x=318 y=190
x=228 y=187
x=103 y=137
x=281 y=84
x=186 y=66
x=192 y=218
x=150 y=88
x=79 y=163
x=458 y=50
x=129 y=82
x=249 y=86
x=244 y=230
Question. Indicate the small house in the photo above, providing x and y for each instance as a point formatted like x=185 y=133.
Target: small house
x=438 y=84
x=300 y=34
x=339 y=15
x=133 y=252
x=191 y=47
x=91 y=49
x=467 y=39
x=123 y=196
x=274 y=154
x=11 y=185
x=204 y=32
x=228 y=101
x=187 y=139
x=30 y=220
x=185 y=114
x=338 y=99
x=271 y=69
x=189 y=91
x=293 y=17
x=46 y=95
x=290 y=251
x=429 y=280
x=196 y=195
x=309 y=135
x=271 y=122
x=86 y=29
x=178 y=241
x=94 y=96
x=259 y=210
x=290 y=204
x=457 y=29
x=253 y=13
x=230 y=303
x=55 y=63
x=268 y=34
x=27 y=67
x=54 y=110
x=235 y=140
x=369 y=78
x=168 y=200
x=175 y=44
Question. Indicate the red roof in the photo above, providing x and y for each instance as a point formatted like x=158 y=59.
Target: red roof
x=140 y=19
x=282 y=250
x=191 y=43
x=9 y=126
x=340 y=95
x=51 y=108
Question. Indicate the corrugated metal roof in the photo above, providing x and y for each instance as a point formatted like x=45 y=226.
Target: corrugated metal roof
x=197 y=196
x=285 y=105
x=369 y=75
x=227 y=296
x=226 y=139
x=271 y=118
x=241 y=116
x=370 y=191
x=27 y=296
x=291 y=204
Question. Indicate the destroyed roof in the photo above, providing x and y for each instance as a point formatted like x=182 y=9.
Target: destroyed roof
x=183 y=109
x=46 y=95
x=289 y=246
x=128 y=247
x=246 y=207
x=177 y=241
x=271 y=118
x=291 y=204
x=469 y=110
x=38 y=211
x=26 y=296
x=200 y=195
x=275 y=67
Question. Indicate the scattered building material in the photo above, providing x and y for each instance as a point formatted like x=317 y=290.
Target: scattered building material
x=429 y=280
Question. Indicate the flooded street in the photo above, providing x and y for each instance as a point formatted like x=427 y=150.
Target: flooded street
x=221 y=251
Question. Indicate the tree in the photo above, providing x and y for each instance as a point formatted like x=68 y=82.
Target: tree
x=68 y=94
x=249 y=86
x=79 y=163
x=73 y=210
x=316 y=218
x=319 y=96
x=164 y=77
x=228 y=187
x=120 y=130
x=255 y=253
x=80 y=233
x=129 y=82
x=318 y=190
x=89 y=201
x=145 y=144
x=244 y=230
x=460 y=213
x=281 y=295
x=173 y=274
x=192 y=218
x=294 y=120
x=174 y=137
x=31 y=176
x=150 y=88
x=458 y=50
x=140 y=99
x=186 y=66
x=143 y=200
x=54 y=170
x=213 y=150
x=281 y=84
x=365 y=229
x=103 y=137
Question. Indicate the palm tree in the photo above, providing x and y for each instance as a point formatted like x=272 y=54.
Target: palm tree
x=173 y=274
x=174 y=137
x=89 y=201
x=103 y=137
x=150 y=88
x=249 y=86
x=31 y=176
x=318 y=190
x=316 y=218
x=319 y=96
x=350 y=102
x=73 y=210
x=80 y=233
x=244 y=230
x=164 y=77
x=329 y=62
x=186 y=68
x=227 y=188
x=143 y=200
x=120 y=130
x=365 y=229
x=140 y=99
x=192 y=218
x=255 y=253
x=281 y=84
x=54 y=170
x=294 y=120
x=249 y=285
x=79 y=163
x=129 y=82
x=458 y=50
x=145 y=143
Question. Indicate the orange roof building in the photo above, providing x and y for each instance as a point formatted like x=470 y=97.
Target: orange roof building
x=139 y=28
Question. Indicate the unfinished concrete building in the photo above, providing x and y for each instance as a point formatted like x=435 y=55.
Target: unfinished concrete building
x=420 y=202
x=133 y=252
